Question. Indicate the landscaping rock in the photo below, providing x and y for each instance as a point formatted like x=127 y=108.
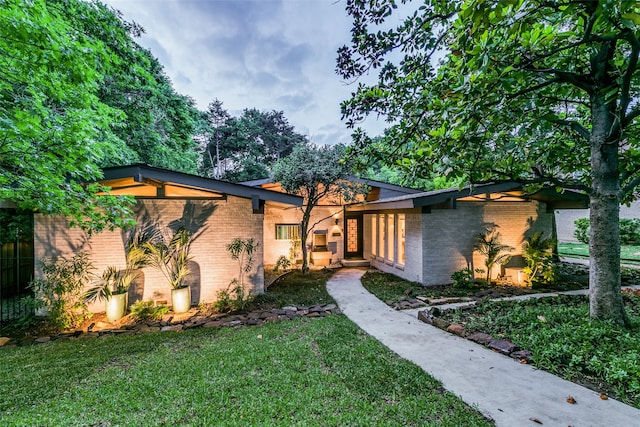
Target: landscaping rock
x=42 y=340
x=290 y=308
x=502 y=346
x=330 y=307
x=212 y=324
x=434 y=311
x=456 y=329
x=4 y=341
x=522 y=354
x=425 y=317
x=440 y=323
x=480 y=338
x=174 y=328
x=233 y=323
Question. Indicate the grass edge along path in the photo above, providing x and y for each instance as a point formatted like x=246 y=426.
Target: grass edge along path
x=323 y=371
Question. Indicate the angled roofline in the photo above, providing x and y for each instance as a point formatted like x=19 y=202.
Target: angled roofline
x=568 y=199
x=140 y=171
x=372 y=182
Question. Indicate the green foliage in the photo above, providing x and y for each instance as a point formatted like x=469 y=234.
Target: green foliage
x=629 y=231
x=171 y=258
x=246 y=147
x=283 y=263
x=60 y=291
x=303 y=372
x=236 y=296
x=565 y=341
x=537 y=253
x=462 y=278
x=144 y=310
x=536 y=92
x=582 y=231
x=115 y=281
x=489 y=246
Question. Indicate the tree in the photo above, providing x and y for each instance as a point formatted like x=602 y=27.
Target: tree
x=54 y=131
x=540 y=92
x=315 y=173
x=246 y=147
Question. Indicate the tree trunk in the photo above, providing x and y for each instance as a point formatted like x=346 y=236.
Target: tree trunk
x=604 y=243
x=304 y=231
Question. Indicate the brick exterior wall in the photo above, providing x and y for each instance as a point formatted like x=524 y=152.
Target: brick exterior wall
x=274 y=215
x=213 y=223
x=441 y=242
x=449 y=234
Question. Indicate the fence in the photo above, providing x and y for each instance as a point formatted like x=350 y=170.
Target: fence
x=16 y=271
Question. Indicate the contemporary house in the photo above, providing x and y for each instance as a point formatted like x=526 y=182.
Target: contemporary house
x=420 y=236
x=215 y=212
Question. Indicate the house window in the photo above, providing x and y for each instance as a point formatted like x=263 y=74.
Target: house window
x=401 y=233
x=374 y=235
x=287 y=232
x=391 y=244
x=381 y=236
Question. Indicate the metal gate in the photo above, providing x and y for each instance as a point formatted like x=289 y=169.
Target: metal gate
x=16 y=266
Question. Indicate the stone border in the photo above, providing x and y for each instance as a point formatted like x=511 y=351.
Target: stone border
x=432 y=317
x=191 y=320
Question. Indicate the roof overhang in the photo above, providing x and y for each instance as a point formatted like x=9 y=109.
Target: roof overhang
x=145 y=181
x=490 y=192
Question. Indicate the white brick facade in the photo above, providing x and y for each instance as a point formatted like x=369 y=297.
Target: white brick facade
x=213 y=223
x=441 y=242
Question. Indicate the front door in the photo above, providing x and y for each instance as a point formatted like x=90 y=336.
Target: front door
x=353 y=236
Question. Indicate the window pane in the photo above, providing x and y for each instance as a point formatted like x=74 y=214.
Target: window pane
x=374 y=235
x=391 y=237
x=401 y=228
x=381 y=232
x=287 y=232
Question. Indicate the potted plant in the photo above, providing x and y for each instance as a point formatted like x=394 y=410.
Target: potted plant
x=113 y=285
x=172 y=260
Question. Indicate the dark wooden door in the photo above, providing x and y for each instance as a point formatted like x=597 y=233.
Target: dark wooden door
x=353 y=236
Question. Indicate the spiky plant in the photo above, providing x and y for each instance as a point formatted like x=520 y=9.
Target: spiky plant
x=488 y=244
x=172 y=259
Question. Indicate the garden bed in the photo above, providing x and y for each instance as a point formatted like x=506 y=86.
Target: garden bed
x=556 y=334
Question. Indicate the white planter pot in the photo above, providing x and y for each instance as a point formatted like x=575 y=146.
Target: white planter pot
x=116 y=306
x=181 y=299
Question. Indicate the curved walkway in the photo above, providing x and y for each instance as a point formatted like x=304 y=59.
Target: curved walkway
x=510 y=393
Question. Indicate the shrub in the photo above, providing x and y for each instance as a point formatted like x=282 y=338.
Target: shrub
x=283 y=263
x=462 y=278
x=488 y=244
x=582 y=230
x=537 y=253
x=60 y=291
x=143 y=310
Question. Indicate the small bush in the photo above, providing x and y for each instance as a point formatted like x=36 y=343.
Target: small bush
x=143 y=310
x=462 y=278
x=582 y=230
x=283 y=263
x=60 y=292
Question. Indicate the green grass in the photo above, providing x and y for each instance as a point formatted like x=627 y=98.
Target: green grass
x=307 y=372
x=581 y=250
x=565 y=341
x=296 y=289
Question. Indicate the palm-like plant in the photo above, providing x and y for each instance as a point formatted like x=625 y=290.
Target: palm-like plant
x=537 y=253
x=488 y=244
x=172 y=259
x=115 y=281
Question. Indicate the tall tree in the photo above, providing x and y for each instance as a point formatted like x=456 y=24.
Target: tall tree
x=54 y=131
x=542 y=92
x=316 y=174
x=246 y=147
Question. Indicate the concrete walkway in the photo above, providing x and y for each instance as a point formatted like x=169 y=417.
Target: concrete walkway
x=510 y=393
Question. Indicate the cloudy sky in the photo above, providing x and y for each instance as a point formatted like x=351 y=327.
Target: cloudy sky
x=268 y=54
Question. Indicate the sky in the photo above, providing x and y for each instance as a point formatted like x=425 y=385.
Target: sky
x=265 y=54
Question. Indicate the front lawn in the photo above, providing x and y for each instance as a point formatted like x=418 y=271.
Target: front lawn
x=321 y=371
x=565 y=341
